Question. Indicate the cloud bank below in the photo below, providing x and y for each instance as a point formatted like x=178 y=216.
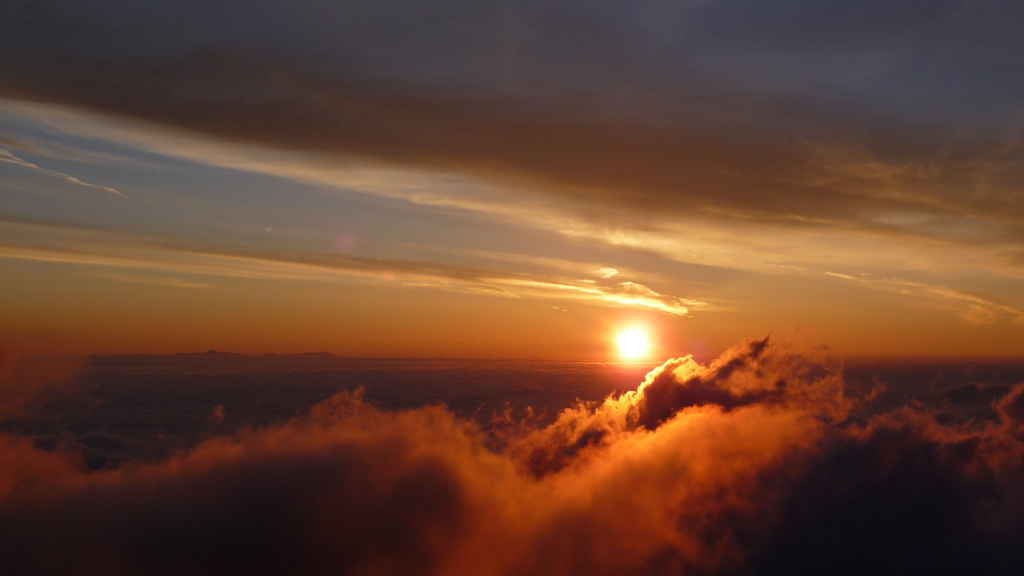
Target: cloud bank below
x=762 y=462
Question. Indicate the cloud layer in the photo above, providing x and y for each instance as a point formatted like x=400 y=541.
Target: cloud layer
x=885 y=118
x=115 y=252
x=762 y=462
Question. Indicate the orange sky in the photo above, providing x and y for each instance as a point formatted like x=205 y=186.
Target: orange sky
x=443 y=196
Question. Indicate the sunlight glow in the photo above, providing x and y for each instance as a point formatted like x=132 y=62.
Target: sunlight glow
x=633 y=344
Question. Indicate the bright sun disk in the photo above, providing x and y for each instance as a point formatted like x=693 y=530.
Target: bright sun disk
x=633 y=343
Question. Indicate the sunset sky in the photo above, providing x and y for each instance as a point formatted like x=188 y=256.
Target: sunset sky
x=511 y=287
x=503 y=179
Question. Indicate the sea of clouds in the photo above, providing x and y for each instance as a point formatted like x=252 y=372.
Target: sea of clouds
x=763 y=461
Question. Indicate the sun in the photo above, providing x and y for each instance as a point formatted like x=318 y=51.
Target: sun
x=633 y=344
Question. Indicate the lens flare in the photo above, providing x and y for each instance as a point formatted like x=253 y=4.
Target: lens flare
x=633 y=343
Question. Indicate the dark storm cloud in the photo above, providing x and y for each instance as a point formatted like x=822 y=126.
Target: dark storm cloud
x=798 y=112
x=759 y=463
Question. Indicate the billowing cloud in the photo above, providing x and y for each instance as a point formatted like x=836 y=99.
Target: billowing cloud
x=762 y=462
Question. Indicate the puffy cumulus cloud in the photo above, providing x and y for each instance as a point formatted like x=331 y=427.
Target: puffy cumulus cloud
x=755 y=373
x=762 y=462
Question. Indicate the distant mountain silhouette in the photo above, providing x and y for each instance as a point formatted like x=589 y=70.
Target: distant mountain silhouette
x=215 y=353
x=209 y=353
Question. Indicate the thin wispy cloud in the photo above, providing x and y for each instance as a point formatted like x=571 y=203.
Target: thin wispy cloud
x=676 y=143
x=819 y=115
x=722 y=238
x=975 y=308
x=118 y=251
x=71 y=153
x=7 y=156
x=135 y=278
